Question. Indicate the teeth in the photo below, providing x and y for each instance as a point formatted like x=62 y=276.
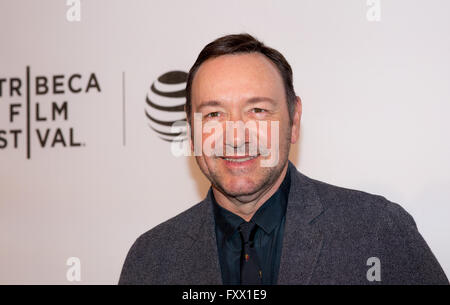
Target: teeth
x=240 y=159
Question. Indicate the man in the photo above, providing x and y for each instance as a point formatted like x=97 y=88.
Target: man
x=271 y=224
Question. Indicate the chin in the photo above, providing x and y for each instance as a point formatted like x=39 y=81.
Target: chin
x=240 y=187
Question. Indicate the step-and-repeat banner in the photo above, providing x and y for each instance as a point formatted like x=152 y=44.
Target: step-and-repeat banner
x=89 y=89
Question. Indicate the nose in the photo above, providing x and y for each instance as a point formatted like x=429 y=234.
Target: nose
x=235 y=133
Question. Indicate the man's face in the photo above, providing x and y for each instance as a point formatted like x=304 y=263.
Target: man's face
x=242 y=87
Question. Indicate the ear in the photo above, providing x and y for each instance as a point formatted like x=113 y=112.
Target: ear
x=295 y=131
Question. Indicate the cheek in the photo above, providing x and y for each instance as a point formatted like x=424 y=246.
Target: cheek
x=279 y=134
x=274 y=133
x=203 y=165
x=212 y=138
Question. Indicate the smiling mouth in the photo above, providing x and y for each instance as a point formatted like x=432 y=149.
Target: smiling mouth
x=239 y=159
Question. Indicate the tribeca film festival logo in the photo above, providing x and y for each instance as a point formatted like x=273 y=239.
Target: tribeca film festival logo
x=35 y=109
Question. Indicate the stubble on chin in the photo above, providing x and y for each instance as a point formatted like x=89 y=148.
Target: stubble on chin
x=248 y=189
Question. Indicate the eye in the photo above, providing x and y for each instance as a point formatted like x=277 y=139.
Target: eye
x=259 y=110
x=212 y=114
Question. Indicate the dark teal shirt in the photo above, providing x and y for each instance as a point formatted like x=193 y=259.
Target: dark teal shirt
x=270 y=219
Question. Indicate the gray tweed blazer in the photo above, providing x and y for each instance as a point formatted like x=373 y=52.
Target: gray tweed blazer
x=330 y=234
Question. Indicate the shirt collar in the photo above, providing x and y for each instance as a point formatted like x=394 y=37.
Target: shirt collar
x=268 y=216
x=227 y=221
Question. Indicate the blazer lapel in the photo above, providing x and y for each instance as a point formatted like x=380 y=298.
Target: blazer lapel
x=201 y=260
x=302 y=241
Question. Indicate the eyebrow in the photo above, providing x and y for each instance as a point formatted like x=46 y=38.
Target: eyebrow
x=258 y=99
x=208 y=103
x=252 y=100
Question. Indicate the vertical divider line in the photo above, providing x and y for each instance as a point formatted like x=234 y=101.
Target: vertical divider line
x=28 y=115
x=123 y=110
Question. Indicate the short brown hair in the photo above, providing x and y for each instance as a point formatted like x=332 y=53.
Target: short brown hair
x=243 y=43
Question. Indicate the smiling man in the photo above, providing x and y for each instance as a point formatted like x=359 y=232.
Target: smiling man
x=262 y=221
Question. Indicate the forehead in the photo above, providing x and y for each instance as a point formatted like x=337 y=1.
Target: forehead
x=236 y=77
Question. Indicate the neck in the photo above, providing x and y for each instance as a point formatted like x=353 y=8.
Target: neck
x=246 y=208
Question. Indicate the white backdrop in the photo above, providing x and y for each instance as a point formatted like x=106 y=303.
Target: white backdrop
x=375 y=105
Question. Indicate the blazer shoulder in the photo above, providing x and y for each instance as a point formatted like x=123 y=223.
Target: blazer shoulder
x=360 y=224
x=155 y=252
x=176 y=226
x=360 y=205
